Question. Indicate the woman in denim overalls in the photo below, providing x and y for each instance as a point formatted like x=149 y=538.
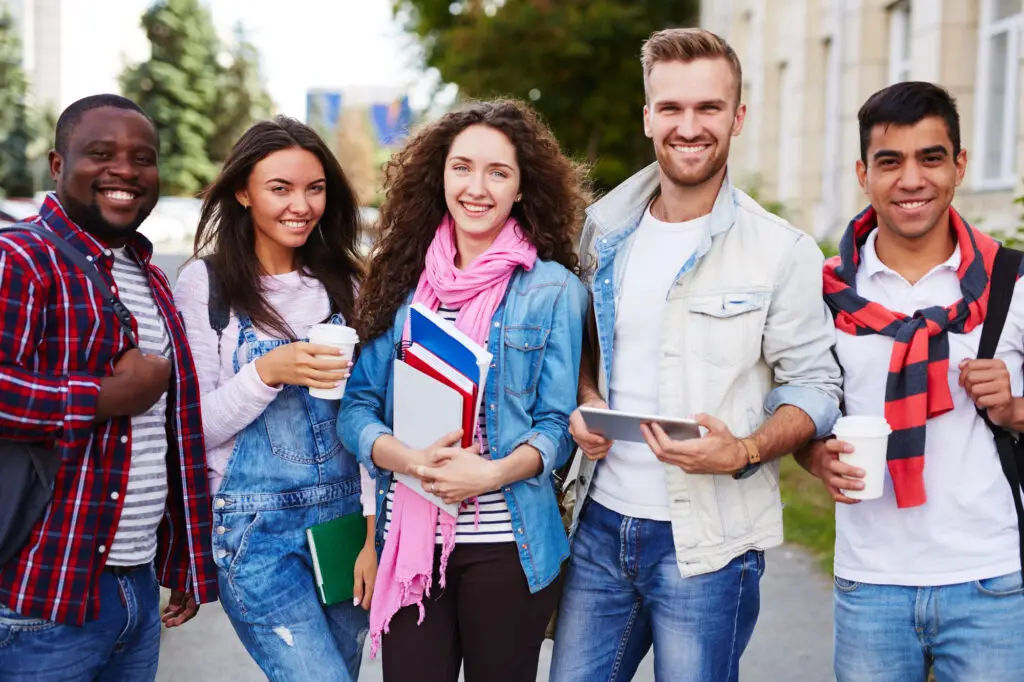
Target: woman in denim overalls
x=281 y=225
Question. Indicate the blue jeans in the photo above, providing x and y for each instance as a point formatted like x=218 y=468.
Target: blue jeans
x=623 y=593
x=969 y=632
x=121 y=646
x=267 y=588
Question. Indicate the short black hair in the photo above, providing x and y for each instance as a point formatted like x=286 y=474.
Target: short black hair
x=73 y=115
x=905 y=104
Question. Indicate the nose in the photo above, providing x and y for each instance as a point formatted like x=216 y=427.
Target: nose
x=299 y=205
x=687 y=128
x=911 y=176
x=124 y=167
x=476 y=187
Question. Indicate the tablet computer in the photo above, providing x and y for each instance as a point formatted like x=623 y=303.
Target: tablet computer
x=625 y=426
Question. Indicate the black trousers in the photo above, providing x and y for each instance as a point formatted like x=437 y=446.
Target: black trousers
x=485 y=617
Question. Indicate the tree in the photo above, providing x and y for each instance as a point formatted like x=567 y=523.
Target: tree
x=177 y=87
x=242 y=98
x=19 y=128
x=576 y=60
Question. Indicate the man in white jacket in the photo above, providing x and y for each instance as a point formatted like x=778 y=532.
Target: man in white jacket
x=705 y=306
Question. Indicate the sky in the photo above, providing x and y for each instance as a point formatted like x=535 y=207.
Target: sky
x=328 y=44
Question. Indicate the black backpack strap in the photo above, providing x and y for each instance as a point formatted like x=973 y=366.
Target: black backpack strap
x=79 y=260
x=1004 y=279
x=218 y=311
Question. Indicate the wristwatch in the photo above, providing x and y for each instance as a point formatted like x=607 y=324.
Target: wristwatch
x=753 y=459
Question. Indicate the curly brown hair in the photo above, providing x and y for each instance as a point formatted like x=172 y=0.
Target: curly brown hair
x=554 y=188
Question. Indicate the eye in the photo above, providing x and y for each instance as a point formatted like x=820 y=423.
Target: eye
x=145 y=160
x=460 y=168
x=317 y=188
x=710 y=108
x=278 y=189
x=499 y=173
x=933 y=159
x=100 y=155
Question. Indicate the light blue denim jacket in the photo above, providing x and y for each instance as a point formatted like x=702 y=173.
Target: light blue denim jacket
x=536 y=339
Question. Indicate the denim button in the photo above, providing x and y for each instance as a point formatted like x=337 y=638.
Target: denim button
x=523 y=545
x=492 y=407
x=220 y=530
x=381 y=491
x=103 y=549
x=497 y=324
x=520 y=531
x=124 y=439
x=607 y=281
x=219 y=503
x=114 y=495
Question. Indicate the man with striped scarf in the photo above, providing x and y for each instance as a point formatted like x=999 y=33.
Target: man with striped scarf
x=927 y=575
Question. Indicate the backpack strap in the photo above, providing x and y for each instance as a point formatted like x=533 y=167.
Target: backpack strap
x=1000 y=292
x=78 y=259
x=217 y=310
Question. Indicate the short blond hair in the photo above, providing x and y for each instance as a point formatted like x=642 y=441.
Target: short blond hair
x=686 y=45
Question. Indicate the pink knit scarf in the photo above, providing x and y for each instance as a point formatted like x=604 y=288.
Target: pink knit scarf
x=405 y=573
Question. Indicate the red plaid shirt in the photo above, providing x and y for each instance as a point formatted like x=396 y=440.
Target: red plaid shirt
x=56 y=340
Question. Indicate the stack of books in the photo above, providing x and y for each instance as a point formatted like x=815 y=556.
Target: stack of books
x=438 y=388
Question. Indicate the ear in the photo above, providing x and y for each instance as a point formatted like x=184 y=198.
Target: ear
x=56 y=165
x=648 y=126
x=862 y=175
x=741 y=116
x=961 y=166
x=242 y=196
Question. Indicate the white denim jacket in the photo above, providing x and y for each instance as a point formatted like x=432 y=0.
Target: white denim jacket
x=744 y=331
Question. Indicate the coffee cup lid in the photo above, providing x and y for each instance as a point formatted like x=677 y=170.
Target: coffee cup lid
x=865 y=426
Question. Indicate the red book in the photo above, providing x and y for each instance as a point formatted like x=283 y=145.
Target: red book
x=420 y=358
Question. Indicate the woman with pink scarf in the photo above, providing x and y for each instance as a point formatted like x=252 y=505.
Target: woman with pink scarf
x=478 y=225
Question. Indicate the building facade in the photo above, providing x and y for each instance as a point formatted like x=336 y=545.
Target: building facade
x=810 y=64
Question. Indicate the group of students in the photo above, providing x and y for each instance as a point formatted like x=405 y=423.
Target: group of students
x=198 y=459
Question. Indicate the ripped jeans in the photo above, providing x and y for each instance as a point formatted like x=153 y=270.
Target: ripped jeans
x=268 y=591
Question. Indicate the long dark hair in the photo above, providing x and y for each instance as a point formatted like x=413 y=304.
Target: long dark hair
x=227 y=233
x=554 y=189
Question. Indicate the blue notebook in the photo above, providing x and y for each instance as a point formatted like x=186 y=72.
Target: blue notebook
x=441 y=338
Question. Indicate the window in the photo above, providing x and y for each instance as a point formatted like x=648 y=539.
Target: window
x=899 y=42
x=1002 y=24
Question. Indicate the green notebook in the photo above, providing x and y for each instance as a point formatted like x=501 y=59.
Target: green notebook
x=335 y=545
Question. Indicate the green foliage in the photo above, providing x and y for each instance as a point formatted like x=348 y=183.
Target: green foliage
x=242 y=98
x=177 y=87
x=576 y=60
x=753 y=188
x=19 y=125
x=809 y=512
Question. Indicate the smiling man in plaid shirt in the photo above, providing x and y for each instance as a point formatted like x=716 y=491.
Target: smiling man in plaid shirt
x=130 y=506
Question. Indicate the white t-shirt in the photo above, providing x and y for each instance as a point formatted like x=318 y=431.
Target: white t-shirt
x=631 y=480
x=967 y=530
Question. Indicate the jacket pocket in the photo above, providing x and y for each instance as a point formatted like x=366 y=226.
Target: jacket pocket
x=524 y=353
x=727 y=327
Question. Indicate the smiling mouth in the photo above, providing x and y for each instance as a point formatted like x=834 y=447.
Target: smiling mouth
x=295 y=224
x=475 y=209
x=119 y=196
x=912 y=205
x=690 y=148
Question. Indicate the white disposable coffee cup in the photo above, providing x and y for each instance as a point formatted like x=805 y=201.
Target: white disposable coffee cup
x=343 y=338
x=869 y=437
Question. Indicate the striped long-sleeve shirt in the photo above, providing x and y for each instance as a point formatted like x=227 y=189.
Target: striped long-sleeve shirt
x=57 y=339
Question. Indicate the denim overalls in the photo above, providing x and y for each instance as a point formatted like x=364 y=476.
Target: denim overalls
x=288 y=471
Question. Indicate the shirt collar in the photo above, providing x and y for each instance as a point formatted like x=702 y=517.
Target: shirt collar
x=53 y=214
x=872 y=265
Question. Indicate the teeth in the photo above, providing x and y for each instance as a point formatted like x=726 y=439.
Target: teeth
x=910 y=205
x=473 y=208
x=117 y=195
x=294 y=224
x=690 y=149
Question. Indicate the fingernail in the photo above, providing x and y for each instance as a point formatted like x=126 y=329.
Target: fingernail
x=355 y=601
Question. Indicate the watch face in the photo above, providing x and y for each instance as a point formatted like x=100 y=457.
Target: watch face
x=747 y=471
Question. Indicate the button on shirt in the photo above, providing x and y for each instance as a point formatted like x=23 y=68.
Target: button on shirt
x=967 y=530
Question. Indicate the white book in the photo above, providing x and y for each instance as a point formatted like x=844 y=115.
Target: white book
x=424 y=410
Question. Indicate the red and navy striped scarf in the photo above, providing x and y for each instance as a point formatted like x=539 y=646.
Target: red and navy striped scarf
x=917 y=388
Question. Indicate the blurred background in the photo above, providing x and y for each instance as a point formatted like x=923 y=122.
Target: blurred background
x=366 y=72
